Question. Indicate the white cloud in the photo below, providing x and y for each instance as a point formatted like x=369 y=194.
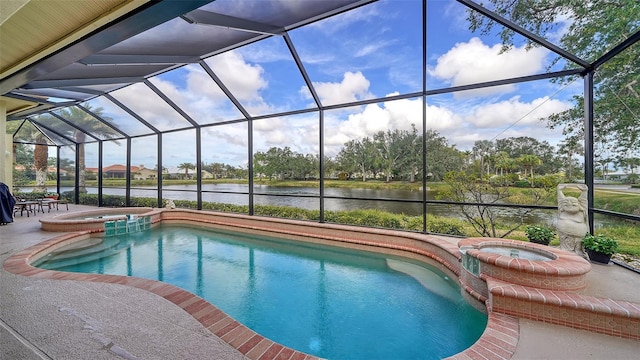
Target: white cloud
x=144 y=102
x=244 y=80
x=353 y=87
x=335 y=24
x=503 y=119
x=373 y=118
x=474 y=62
x=201 y=86
x=372 y=48
x=299 y=132
x=441 y=118
x=202 y=99
x=512 y=111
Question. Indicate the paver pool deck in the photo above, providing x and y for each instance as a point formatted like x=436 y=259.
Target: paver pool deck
x=68 y=319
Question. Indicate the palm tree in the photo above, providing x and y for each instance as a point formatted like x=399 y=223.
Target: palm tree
x=528 y=162
x=91 y=125
x=40 y=161
x=186 y=166
x=502 y=162
x=40 y=156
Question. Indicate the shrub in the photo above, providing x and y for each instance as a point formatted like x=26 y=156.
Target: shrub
x=632 y=179
x=546 y=181
x=445 y=226
x=412 y=222
x=539 y=234
x=501 y=180
x=600 y=243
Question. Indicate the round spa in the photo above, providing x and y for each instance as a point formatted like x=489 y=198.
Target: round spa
x=523 y=263
x=94 y=220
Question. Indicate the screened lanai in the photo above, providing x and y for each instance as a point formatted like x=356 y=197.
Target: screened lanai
x=267 y=107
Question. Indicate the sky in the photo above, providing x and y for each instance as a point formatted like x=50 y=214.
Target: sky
x=374 y=51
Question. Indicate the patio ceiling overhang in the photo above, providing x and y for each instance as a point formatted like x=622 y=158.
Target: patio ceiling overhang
x=131 y=41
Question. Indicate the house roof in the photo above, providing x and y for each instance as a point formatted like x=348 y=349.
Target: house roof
x=118 y=168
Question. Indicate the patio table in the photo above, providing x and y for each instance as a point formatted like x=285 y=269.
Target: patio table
x=28 y=206
x=50 y=203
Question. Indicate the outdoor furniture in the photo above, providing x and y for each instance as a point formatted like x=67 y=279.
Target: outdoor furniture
x=50 y=203
x=28 y=206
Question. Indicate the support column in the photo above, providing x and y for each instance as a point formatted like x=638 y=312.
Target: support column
x=6 y=149
x=588 y=144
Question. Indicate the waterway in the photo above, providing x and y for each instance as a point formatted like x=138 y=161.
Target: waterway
x=336 y=199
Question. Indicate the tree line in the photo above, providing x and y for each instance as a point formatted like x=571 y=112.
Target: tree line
x=397 y=155
x=394 y=155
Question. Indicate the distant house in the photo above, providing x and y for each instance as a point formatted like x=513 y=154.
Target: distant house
x=175 y=173
x=145 y=174
x=117 y=171
x=53 y=169
x=622 y=174
x=206 y=174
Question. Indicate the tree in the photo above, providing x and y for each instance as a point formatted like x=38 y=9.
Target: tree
x=594 y=27
x=23 y=155
x=186 y=166
x=525 y=145
x=483 y=215
x=568 y=149
x=441 y=157
x=217 y=170
x=631 y=164
x=410 y=164
x=40 y=157
x=331 y=167
x=274 y=163
x=482 y=151
x=502 y=162
x=358 y=156
x=529 y=162
x=85 y=121
x=389 y=145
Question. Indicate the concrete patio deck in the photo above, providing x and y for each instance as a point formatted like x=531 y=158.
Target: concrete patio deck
x=64 y=319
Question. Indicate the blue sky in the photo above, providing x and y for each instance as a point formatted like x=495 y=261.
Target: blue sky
x=371 y=52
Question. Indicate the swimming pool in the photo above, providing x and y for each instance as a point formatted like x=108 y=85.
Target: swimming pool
x=330 y=302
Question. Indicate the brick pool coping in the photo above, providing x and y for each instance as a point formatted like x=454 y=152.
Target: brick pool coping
x=83 y=221
x=498 y=341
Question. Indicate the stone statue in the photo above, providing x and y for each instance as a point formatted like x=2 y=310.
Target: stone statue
x=573 y=221
x=170 y=204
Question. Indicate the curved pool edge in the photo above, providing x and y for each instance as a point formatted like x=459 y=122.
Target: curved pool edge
x=74 y=221
x=246 y=341
x=501 y=331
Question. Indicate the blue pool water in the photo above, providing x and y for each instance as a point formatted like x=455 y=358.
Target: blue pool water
x=329 y=302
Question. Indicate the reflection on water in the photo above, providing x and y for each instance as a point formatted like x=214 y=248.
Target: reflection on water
x=306 y=198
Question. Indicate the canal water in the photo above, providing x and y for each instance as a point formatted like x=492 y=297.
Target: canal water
x=336 y=199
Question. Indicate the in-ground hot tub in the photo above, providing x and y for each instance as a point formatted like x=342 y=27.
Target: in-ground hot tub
x=93 y=220
x=518 y=252
x=522 y=263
